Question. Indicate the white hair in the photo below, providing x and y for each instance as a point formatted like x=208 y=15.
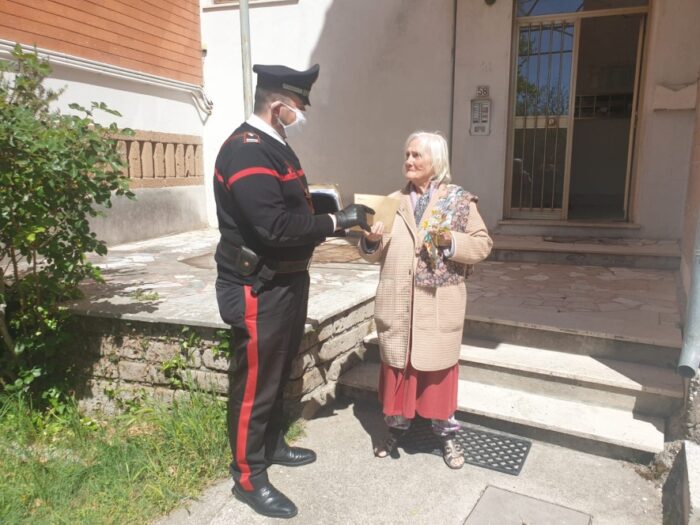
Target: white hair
x=436 y=146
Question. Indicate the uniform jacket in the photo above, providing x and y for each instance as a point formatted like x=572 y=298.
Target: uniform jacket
x=432 y=318
x=263 y=201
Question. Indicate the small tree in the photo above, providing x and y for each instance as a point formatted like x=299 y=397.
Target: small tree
x=55 y=171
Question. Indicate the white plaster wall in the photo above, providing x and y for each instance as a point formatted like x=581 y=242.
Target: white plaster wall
x=482 y=58
x=156 y=211
x=143 y=107
x=386 y=70
x=665 y=139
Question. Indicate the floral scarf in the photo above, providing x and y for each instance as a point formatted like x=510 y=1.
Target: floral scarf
x=451 y=212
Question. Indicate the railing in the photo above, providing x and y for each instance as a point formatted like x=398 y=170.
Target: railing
x=158 y=160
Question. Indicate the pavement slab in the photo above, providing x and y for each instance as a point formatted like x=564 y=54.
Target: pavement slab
x=348 y=485
x=503 y=507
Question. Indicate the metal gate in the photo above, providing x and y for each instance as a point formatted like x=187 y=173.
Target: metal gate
x=542 y=122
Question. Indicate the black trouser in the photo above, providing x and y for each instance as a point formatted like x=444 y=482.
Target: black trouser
x=266 y=334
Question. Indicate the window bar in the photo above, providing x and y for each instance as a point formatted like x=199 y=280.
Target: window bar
x=536 y=115
x=524 y=129
x=546 y=114
x=559 y=109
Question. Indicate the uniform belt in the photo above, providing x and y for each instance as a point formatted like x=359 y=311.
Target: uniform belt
x=293 y=266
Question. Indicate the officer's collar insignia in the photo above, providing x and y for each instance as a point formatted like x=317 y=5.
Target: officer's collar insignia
x=251 y=138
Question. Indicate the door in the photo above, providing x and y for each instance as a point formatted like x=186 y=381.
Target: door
x=575 y=83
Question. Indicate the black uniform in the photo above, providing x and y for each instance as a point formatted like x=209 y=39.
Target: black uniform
x=263 y=203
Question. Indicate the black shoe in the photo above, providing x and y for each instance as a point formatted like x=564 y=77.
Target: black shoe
x=292 y=457
x=267 y=500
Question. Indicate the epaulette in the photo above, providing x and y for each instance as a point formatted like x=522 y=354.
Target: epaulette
x=251 y=138
x=246 y=137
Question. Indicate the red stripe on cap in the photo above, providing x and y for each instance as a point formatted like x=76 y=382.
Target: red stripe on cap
x=251 y=322
x=218 y=176
x=259 y=170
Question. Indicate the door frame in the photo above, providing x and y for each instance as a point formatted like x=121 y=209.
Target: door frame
x=575 y=18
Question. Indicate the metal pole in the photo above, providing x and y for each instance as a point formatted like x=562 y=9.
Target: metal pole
x=690 y=354
x=245 y=59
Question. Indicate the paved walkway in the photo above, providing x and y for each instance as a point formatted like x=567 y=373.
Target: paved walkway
x=348 y=485
x=179 y=269
x=171 y=279
x=625 y=303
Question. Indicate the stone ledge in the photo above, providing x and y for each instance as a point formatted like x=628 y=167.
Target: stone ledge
x=122 y=360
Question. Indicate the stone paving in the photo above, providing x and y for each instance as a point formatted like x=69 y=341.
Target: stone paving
x=348 y=485
x=172 y=279
x=633 y=304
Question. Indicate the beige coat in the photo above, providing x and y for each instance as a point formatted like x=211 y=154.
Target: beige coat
x=435 y=317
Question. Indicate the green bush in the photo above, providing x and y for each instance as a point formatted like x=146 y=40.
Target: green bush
x=56 y=170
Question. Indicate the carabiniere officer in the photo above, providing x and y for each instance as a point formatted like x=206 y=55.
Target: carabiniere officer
x=268 y=234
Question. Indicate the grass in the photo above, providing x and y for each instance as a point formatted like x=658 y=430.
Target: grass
x=59 y=467
x=64 y=468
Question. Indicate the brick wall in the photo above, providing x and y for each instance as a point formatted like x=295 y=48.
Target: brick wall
x=160 y=38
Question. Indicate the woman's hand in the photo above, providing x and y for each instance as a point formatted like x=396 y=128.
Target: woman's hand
x=444 y=240
x=375 y=235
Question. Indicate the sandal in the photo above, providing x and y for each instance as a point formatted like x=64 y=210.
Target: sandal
x=389 y=445
x=452 y=453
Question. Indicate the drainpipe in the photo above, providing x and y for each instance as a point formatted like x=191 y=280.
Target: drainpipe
x=245 y=59
x=690 y=354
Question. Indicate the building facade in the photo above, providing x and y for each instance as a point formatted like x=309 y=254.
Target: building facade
x=564 y=116
x=569 y=117
x=144 y=60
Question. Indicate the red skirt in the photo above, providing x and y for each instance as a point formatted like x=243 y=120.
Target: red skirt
x=407 y=392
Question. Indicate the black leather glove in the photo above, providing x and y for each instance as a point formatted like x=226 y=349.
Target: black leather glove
x=353 y=215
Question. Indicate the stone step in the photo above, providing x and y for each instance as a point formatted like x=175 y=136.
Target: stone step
x=599 y=430
x=587 y=251
x=537 y=333
x=643 y=389
x=597 y=229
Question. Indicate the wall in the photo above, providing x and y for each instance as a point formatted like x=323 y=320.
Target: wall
x=665 y=138
x=117 y=361
x=147 y=103
x=160 y=38
x=482 y=58
x=386 y=71
x=692 y=207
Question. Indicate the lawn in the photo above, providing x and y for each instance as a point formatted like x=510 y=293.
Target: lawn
x=60 y=467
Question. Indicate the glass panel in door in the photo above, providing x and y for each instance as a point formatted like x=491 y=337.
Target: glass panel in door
x=540 y=135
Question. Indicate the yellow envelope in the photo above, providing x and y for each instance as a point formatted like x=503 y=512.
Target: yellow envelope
x=384 y=207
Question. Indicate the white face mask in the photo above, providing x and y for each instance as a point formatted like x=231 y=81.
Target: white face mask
x=295 y=127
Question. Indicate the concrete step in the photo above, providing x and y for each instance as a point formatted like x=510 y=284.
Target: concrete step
x=599 y=430
x=587 y=250
x=534 y=227
x=636 y=387
x=643 y=389
x=537 y=333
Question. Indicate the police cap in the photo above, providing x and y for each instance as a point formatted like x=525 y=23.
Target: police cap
x=288 y=79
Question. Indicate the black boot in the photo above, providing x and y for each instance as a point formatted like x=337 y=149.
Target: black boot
x=267 y=500
x=291 y=456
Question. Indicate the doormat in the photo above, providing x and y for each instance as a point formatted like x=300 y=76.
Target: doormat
x=499 y=452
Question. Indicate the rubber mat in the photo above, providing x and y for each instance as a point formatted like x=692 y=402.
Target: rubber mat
x=490 y=450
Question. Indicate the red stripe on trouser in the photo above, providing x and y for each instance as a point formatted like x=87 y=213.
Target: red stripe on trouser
x=251 y=322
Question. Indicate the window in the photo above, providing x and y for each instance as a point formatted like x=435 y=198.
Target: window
x=550 y=7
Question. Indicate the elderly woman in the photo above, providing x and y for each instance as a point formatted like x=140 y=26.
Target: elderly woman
x=422 y=295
